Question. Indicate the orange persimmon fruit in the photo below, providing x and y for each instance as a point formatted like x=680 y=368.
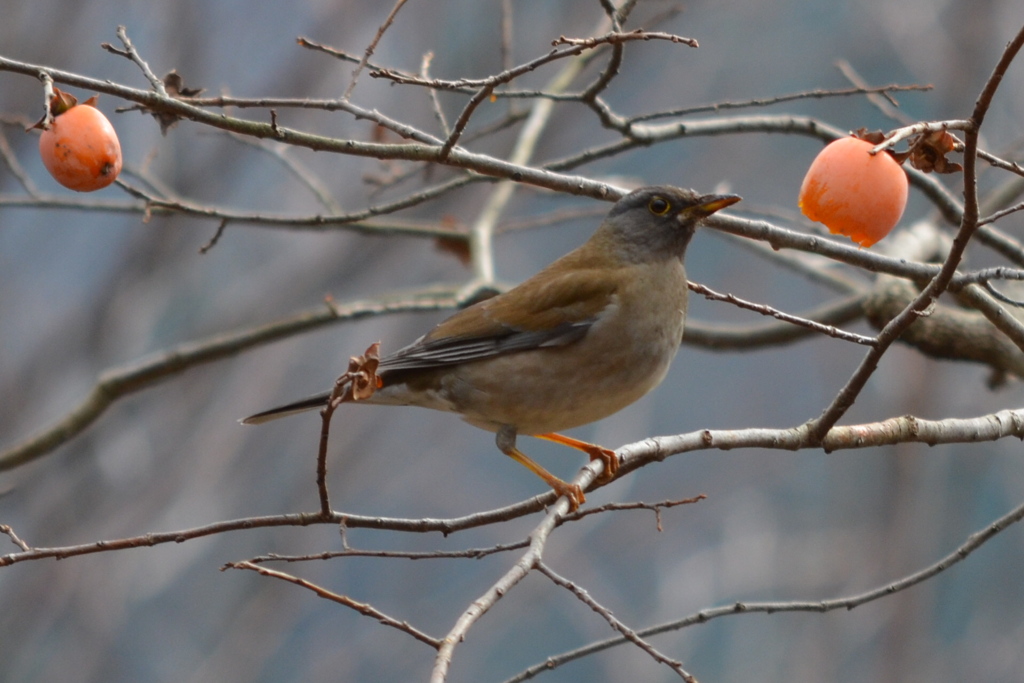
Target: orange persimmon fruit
x=80 y=149
x=854 y=193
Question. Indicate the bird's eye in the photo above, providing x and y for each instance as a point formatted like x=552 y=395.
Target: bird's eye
x=659 y=206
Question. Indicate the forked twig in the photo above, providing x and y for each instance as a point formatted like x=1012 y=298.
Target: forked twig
x=129 y=52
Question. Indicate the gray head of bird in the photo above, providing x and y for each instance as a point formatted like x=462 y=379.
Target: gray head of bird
x=658 y=221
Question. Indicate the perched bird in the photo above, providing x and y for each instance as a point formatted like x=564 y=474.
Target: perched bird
x=580 y=340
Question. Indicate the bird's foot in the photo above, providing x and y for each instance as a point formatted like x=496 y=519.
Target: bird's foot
x=611 y=463
x=572 y=492
x=595 y=452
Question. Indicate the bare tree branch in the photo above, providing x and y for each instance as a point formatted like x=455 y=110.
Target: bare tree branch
x=124 y=380
x=897 y=288
x=907 y=429
x=973 y=542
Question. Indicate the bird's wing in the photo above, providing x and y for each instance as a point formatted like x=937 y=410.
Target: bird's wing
x=545 y=311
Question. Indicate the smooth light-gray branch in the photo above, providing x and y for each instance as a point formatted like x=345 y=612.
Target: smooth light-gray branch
x=907 y=429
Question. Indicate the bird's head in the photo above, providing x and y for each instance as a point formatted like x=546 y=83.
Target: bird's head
x=656 y=221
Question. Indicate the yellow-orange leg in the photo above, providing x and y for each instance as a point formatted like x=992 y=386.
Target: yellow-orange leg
x=611 y=463
x=506 y=441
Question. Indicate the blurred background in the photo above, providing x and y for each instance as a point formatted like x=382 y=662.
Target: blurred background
x=81 y=292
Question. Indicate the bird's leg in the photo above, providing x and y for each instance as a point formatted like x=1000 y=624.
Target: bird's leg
x=605 y=455
x=506 y=441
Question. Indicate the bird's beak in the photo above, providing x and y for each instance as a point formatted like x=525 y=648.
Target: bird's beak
x=708 y=204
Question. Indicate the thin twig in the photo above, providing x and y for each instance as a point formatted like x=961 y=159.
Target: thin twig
x=912 y=130
x=623 y=37
x=334 y=52
x=1002 y=298
x=357 y=383
x=299 y=170
x=627 y=633
x=986 y=302
x=992 y=218
x=154 y=204
x=355 y=221
x=15 y=539
x=996 y=162
x=764 y=309
x=718 y=337
x=462 y=121
x=363 y=608
x=216 y=237
x=610 y=71
x=815 y=94
x=656 y=508
x=435 y=100
x=882 y=99
x=573 y=47
x=131 y=53
x=321 y=455
x=468 y=553
x=371 y=47
x=987 y=275
x=11 y=161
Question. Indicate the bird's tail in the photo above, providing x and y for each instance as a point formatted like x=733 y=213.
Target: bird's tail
x=311 y=403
